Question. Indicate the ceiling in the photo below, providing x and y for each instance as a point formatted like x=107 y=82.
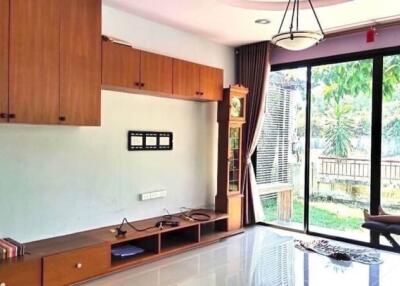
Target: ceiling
x=231 y=22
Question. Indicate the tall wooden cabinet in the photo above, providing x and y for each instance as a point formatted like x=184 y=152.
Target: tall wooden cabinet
x=80 y=62
x=4 y=42
x=34 y=61
x=54 y=61
x=231 y=118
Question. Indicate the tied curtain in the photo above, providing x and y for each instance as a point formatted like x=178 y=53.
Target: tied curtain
x=252 y=66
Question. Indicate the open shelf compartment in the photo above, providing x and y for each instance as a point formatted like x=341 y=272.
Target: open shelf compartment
x=149 y=243
x=213 y=230
x=179 y=238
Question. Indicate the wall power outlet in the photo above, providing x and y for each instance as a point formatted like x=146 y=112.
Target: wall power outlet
x=152 y=195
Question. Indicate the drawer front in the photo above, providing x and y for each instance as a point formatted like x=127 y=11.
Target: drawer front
x=10 y=274
x=70 y=267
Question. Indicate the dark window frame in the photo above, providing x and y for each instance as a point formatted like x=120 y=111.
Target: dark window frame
x=376 y=56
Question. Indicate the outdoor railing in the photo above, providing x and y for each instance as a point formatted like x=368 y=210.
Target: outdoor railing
x=357 y=169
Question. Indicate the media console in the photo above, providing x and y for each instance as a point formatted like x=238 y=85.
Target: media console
x=82 y=256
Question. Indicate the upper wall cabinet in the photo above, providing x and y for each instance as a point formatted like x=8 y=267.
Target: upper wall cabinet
x=80 y=62
x=121 y=66
x=4 y=41
x=54 y=61
x=155 y=72
x=186 y=79
x=211 y=86
x=197 y=81
x=128 y=69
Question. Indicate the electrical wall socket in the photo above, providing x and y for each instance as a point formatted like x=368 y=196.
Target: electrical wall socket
x=152 y=195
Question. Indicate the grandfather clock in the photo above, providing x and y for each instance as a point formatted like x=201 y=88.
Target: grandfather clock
x=231 y=117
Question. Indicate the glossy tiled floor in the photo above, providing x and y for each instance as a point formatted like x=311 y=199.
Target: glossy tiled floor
x=261 y=256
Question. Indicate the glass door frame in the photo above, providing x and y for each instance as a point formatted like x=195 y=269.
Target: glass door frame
x=376 y=134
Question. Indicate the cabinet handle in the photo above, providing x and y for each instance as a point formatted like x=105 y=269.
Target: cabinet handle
x=137 y=83
x=201 y=93
x=78 y=266
x=142 y=84
x=62 y=118
x=5 y=116
x=11 y=116
x=197 y=92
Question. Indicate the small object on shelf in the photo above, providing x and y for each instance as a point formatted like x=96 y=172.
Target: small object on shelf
x=120 y=232
x=116 y=40
x=172 y=223
x=126 y=250
x=10 y=248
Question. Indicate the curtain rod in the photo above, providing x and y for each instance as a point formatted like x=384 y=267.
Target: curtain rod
x=362 y=28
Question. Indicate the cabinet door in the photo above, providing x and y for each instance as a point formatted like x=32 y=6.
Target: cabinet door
x=4 y=41
x=121 y=66
x=80 y=62
x=156 y=72
x=211 y=83
x=186 y=79
x=21 y=273
x=34 y=61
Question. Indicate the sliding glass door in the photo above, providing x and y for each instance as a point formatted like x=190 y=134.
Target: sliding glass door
x=390 y=161
x=326 y=121
x=280 y=153
x=390 y=155
x=340 y=146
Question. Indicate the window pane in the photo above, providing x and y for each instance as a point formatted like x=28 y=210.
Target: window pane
x=280 y=152
x=341 y=101
x=390 y=166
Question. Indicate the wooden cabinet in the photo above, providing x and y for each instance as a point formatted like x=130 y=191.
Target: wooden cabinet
x=21 y=273
x=197 y=81
x=4 y=42
x=75 y=266
x=231 y=118
x=74 y=258
x=34 y=61
x=211 y=86
x=54 y=61
x=155 y=72
x=125 y=68
x=80 y=62
x=186 y=79
x=120 y=66
x=131 y=70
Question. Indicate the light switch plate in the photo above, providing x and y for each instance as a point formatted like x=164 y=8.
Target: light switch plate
x=152 y=195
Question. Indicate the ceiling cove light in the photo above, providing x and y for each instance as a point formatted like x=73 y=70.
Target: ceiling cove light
x=295 y=39
x=262 y=21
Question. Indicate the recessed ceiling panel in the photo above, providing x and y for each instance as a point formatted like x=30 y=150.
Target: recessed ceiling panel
x=224 y=22
x=276 y=5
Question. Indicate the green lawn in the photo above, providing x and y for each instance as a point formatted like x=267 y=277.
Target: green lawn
x=318 y=216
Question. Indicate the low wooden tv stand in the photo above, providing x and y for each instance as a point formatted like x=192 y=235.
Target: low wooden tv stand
x=82 y=256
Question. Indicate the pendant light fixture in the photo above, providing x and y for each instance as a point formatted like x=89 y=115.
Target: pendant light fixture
x=296 y=39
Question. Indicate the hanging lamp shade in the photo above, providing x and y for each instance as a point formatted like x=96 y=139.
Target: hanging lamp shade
x=295 y=39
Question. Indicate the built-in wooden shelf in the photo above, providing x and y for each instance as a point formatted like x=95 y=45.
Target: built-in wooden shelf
x=85 y=255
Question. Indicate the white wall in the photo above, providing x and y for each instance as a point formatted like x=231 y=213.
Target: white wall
x=59 y=180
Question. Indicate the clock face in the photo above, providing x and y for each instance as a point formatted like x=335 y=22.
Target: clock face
x=236 y=107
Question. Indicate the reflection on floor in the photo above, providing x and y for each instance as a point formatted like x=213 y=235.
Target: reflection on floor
x=261 y=256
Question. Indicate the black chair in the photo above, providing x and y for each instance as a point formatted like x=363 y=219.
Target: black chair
x=384 y=229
